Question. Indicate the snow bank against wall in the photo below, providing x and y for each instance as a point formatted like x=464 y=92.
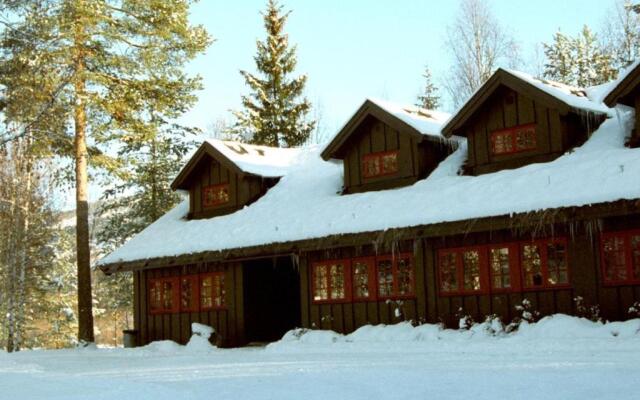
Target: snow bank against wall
x=557 y=329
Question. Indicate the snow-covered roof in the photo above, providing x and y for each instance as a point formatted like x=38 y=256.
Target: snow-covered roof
x=307 y=203
x=607 y=92
x=257 y=160
x=427 y=122
x=574 y=97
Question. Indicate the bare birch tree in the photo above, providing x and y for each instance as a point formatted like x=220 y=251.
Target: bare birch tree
x=478 y=45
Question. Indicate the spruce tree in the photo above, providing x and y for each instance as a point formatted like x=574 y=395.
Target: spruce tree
x=429 y=98
x=275 y=113
x=578 y=61
x=83 y=74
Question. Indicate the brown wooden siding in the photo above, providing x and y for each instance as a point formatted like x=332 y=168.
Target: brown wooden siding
x=430 y=306
x=505 y=109
x=415 y=159
x=228 y=323
x=243 y=189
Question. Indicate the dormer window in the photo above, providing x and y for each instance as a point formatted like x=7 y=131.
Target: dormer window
x=513 y=140
x=215 y=195
x=380 y=164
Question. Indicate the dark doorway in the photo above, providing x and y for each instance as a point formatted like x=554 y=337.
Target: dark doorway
x=271 y=298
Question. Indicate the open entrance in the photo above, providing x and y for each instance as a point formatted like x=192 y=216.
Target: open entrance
x=271 y=298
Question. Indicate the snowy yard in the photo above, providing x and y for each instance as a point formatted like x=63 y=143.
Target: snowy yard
x=560 y=358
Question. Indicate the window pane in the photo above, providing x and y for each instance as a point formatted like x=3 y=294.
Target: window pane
x=215 y=195
x=360 y=279
x=532 y=265
x=187 y=294
x=471 y=270
x=502 y=142
x=615 y=266
x=321 y=290
x=557 y=264
x=500 y=269
x=156 y=296
x=206 y=292
x=405 y=276
x=635 y=255
x=448 y=272
x=526 y=138
x=167 y=295
x=218 y=298
x=337 y=281
x=385 y=278
x=390 y=163
x=371 y=166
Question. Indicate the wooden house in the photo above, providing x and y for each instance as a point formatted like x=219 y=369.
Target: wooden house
x=530 y=191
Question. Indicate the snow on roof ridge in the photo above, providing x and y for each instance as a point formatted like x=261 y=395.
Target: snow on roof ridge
x=601 y=92
x=573 y=96
x=257 y=159
x=427 y=122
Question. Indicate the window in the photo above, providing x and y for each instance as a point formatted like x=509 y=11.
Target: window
x=189 y=293
x=330 y=281
x=544 y=264
x=514 y=140
x=380 y=164
x=395 y=276
x=363 y=278
x=163 y=295
x=500 y=267
x=497 y=268
x=212 y=291
x=621 y=257
x=215 y=195
x=460 y=270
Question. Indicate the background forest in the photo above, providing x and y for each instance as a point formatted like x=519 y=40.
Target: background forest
x=92 y=92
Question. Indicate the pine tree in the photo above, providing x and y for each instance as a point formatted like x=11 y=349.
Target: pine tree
x=579 y=61
x=81 y=74
x=429 y=99
x=559 y=65
x=274 y=114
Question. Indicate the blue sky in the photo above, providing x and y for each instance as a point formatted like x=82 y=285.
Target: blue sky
x=353 y=49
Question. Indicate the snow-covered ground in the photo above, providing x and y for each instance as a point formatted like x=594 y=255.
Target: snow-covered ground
x=558 y=358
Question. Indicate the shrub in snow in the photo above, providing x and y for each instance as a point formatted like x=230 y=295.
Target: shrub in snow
x=634 y=310
x=585 y=310
x=527 y=314
x=465 y=321
x=397 y=304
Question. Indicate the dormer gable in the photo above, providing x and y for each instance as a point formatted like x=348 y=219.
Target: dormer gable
x=222 y=176
x=384 y=145
x=515 y=119
x=626 y=90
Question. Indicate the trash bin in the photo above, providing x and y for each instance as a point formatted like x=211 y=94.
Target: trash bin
x=130 y=338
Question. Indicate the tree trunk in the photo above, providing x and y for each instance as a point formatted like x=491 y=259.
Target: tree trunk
x=85 y=312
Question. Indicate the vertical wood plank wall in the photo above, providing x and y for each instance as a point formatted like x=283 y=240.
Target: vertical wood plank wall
x=428 y=306
x=228 y=323
x=242 y=189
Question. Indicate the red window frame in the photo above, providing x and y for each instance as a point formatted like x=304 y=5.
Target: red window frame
x=346 y=279
x=544 y=260
x=370 y=262
x=395 y=294
x=628 y=257
x=217 y=199
x=379 y=156
x=514 y=275
x=512 y=134
x=458 y=253
x=516 y=270
x=195 y=294
x=155 y=283
x=216 y=285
